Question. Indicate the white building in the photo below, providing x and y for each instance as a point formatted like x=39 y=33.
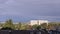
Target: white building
x=38 y=22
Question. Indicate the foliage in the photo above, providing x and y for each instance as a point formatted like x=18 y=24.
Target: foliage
x=36 y=27
x=23 y=27
x=18 y=26
x=28 y=27
x=6 y=28
x=9 y=24
x=44 y=25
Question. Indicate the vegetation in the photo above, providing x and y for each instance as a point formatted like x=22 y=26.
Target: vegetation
x=18 y=26
x=6 y=28
x=44 y=25
x=8 y=25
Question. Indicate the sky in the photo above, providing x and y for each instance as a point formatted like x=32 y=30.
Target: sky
x=26 y=10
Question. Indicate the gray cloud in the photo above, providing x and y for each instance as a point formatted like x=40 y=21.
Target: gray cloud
x=31 y=9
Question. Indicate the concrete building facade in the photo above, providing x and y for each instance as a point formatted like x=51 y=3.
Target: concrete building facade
x=38 y=22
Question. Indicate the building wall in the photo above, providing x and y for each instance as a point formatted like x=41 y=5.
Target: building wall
x=38 y=22
x=42 y=21
x=32 y=22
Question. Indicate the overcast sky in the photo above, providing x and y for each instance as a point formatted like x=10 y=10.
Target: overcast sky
x=25 y=10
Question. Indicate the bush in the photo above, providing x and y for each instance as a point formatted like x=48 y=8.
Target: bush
x=6 y=28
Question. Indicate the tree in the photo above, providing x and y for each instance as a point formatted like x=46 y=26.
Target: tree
x=52 y=25
x=28 y=27
x=34 y=27
x=38 y=27
x=19 y=26
x=6 y=28
x=9 y=24
x=44 y=25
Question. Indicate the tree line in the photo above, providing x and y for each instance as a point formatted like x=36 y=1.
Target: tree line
x=9 y=25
